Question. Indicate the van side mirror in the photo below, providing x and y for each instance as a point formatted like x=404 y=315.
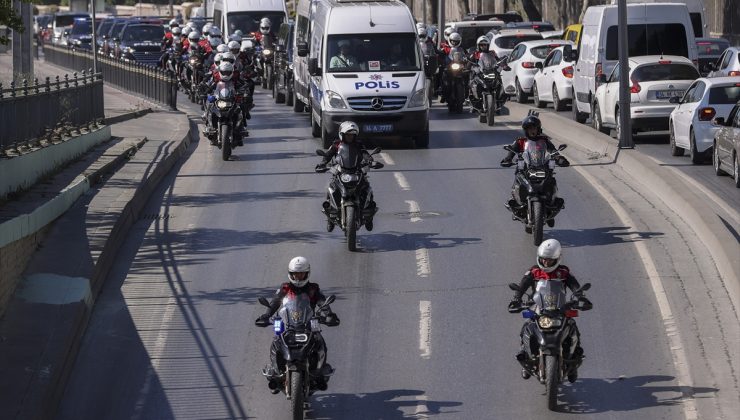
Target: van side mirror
x=601 y=78
x=538 y=65
x=313 y=67
x=301 y=49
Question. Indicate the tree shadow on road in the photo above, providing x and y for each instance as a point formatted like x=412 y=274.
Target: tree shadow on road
x=596 y=395
x=600 y=236
x=211 y=199
x=397 y=241
x=384 y=405
x=249 y=295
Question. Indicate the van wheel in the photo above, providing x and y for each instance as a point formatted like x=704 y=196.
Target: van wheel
x=315 y=127
x=579 y=117
x=326 y=139
x=289 y=97
x=675 y=150
x=521 y=96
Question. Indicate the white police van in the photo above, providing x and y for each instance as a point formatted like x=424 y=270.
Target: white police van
x=360 y=61
x=245 y=15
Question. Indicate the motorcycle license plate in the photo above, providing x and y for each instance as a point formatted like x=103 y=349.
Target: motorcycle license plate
x=668 y=94
x=378 y=128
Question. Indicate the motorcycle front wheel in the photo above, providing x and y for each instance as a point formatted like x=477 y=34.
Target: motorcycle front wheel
x=490 y=110
x=538 y=219
x=552 y=379
x=225 y=142
x=296 y=395
x=351 y=229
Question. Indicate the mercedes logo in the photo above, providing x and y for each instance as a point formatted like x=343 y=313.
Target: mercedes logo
x=377 y=103
x=670 y=86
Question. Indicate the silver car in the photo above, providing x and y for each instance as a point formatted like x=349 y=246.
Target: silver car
x=728 y=64
x=726 y=157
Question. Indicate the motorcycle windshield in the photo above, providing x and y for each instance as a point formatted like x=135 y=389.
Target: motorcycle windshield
x=296 y=311
x=535 y=154
x=349 y=157
x=224 y=90
x=487 y=63
x=549 y=295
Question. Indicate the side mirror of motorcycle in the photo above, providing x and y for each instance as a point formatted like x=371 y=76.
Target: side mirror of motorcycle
x=508 y=148
x=375 y=151
x=562 y=147
x=263 y=302
x=514 y=287
x=583 y=288
x=328 y=301
x=376 y=165
x=320 y=152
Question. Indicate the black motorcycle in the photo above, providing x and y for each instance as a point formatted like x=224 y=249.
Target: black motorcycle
x=226 y=114
x=193 y=74
x=349 y=199
x=550 y=335
x=265 y=63
x=455 y=88
x=299 y=331
x=535 y=188
x=487 y=79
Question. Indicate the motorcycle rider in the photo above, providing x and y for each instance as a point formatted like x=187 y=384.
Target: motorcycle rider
x=265 y=32
x=549 y=268
x=169 y=36
x=348 y=132
x=532 y=127
x=225 y=73
x=489 y=56
x=299 y=270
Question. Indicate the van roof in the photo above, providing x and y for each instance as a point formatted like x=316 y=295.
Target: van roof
x=254 y=5
x=393 y=14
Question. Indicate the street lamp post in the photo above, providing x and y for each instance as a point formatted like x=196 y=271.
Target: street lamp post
x=94 y=43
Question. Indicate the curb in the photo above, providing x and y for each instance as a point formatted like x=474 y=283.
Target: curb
x=126 y=116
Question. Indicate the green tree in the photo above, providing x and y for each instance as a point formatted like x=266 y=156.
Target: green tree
x=9 y=17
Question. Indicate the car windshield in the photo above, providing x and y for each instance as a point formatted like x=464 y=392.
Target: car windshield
x=509 y=42
x=470 y=34
x=542 y=51
x=656 y=72
x=103 y=28
x=81 y=27
x=116 y=30
x=652 y=39
x=248 y=22
x=141 y=33
x=724 y=95
x=711 y=48
x=376 y=52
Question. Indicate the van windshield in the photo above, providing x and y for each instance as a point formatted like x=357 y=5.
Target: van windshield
x=376 y=52
x=652 y=39
x=249 y=22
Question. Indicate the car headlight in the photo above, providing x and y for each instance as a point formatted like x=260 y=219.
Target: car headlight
x=419 y=98
x=335 y=100
x=221 y=104
x=547 y=322
x=130 y=50
x=455 y=66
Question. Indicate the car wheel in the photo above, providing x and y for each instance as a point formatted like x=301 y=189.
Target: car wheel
x=596 y=120
x=696 y=157
x=556 y=102
x=736 y=172
x=536 y=95
x=521 y=96
x=715 y=160
x=618 y=131
x=675 y=150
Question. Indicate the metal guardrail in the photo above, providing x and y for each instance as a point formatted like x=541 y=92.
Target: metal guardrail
x=150 y=82
x=34 y=113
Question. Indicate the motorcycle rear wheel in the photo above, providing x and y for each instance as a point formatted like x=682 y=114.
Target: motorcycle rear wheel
x=351 y=229
x=552 y=372
x=225 y=142
x=296 y=395
x=538 y=218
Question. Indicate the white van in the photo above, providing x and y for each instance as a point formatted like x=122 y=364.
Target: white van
x=696 y=12
x=654 y=29
x=230 y=15
x=361 y=61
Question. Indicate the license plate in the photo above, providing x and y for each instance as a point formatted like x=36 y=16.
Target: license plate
x=668 y=94
x=378 y=128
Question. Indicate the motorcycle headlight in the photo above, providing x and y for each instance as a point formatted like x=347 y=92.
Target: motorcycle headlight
x=221 y=104
x=547 y=322
x=455 y=66
x=419 y=98
x=347 y=178
x=266 y=52
x=193 y=60
x=335 y=100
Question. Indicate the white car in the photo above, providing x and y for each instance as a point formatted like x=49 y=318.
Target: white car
x=519 y=79
x=654 y=80
x=554 y=80
x=504 y=41
x=728 y=64
x=691 y=121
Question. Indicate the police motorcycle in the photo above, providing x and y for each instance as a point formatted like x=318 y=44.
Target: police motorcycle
x=193 y=72
x=264 y=60
x=173 y=65
x=349 y=199
x=486 y=77
x=299 y=330
x=550 y=335
x=226 y=115
x=535 y=187
x=455 y=85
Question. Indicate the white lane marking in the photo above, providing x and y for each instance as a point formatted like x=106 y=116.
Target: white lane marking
x=402 y=182
x=425 y=328
x=414 y=210
x=387 y=158
x=680 y=360
x=422 y=411
x=422 y=262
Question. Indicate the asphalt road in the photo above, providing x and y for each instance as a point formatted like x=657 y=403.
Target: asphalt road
x=425 y=332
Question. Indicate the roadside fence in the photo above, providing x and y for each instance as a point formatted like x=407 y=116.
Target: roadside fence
x=36 y=114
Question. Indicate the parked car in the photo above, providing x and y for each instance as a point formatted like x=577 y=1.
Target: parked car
x=691 y=121
x=504 y=17
x=62 y=22
x=79 y=36
x=653 y=29
x=654 y=80
x=471 y=30
x=537 y=26
x=727 y=145
x=522 y=61
x=710 y=50
x=283 y=86
x=554 y=80
x=728 y=64
x=573 y=33
x=140 y=40
x=504 y=41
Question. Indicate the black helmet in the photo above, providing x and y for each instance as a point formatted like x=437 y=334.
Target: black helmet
x=532 y=121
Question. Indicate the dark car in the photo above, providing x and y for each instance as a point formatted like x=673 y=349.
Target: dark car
x=79 y=36
x=140 y=41
x=537 y=26
x=101 y=32
x=109 y=45
x=283 y=87
x=710 y=49
x=507 y=17
x=727 y=145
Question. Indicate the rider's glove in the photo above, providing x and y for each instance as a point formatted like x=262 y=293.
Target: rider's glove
x=320 y=167
x=584 y=304
x=331 y=319
x=263 y=320
x=515 y=304
x=506 y=163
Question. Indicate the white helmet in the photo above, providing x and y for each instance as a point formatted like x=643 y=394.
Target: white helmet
x=215 y=32
x=194 y=36
x=186 y=30
x=217 y=59
x=215 y=42
x=176 y=31
x=449 y=31
x=548 y=255
x=222 y=48
x=298 y=265
x=206 y=29
x=191 y=24
x=348 y=127
x=228 y=57
x=247 y=46
x=455 y=39
x=422 y=33
x=239 y=33
x=483 y=40
x=265 y=26
x=235 y=37
x=234 y=47
x=226 y=70
x=174 y=23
